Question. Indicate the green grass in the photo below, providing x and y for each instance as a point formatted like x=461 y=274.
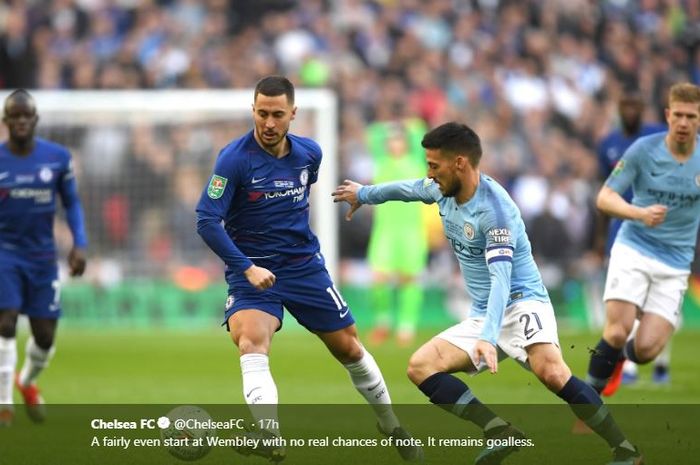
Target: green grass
x=171 y=367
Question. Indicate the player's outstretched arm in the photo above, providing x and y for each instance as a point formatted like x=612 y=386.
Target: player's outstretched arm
x=77 y=261
x=347 y=192
x=612 y=203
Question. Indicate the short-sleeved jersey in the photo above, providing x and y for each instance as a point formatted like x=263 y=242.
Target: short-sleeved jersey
x=28 y=188
x=658 y=178
x=488 y=237
x=610 y=151
x=264 y=203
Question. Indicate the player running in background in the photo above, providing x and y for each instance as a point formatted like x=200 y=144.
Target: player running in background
x=260 y=189
x=32 y=172
x=631 y=115
x=650 y=260
x=511 y=314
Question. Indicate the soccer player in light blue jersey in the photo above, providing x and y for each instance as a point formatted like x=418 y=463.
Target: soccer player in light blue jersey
x=650 y=260
x=614 y=145
x=260 y=190
x=511 y=314
x=33 y=173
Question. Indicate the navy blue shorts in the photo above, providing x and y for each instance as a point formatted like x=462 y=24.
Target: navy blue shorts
x=31 y=288
x=312 y=299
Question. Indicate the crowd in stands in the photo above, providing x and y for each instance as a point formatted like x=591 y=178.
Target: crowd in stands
x=537 y=79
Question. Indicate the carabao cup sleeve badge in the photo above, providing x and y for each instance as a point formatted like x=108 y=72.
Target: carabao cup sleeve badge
x=216 y=188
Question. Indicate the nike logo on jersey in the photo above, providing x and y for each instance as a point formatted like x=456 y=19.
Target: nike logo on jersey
x=4 y=175
x=342 y=314
x=255 y=181
x=655 y=175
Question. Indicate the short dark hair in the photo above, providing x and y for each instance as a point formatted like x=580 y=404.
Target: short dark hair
x=454 y=138
x=23 y=93
x=272 y=86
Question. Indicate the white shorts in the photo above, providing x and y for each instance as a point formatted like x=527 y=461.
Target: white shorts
x=524 y=323
x=652 y=286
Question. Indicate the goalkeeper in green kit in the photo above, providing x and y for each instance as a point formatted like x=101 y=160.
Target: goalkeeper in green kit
x=398 y=246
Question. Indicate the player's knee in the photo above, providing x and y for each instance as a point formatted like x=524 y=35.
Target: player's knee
x=553 y=374
x=615 y=334
x=646 y=351
x=8 y=323
x=419 y=368
x=44 y=340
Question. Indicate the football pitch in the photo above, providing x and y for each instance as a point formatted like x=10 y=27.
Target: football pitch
x=201 y=367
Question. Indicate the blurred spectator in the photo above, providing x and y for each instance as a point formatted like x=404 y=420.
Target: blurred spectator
x=538 y=78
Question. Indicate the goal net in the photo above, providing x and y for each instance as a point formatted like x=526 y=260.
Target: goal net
x=142 y=159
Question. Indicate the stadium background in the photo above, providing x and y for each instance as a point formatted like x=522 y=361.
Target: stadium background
x=538 y=80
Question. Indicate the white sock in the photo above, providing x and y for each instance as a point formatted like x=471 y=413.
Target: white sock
x=368 y=381
x=8 y=360
x=664 y=358
x=260 y=391
x=35 y=360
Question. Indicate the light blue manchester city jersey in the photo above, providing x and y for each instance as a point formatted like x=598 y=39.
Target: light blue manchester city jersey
x=658 y=178
x=488 y=237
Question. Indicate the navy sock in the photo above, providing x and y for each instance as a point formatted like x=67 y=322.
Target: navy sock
x=629 y=352
x=602 y=364
x=450 y=393
x=660 y=370
x=587 y=405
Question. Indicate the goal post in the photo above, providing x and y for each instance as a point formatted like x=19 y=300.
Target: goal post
x=66 y=116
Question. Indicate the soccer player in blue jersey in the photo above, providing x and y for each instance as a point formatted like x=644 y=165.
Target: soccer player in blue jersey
x=650 y=260
x=511 y=314
x=631 y=113
x=33 y=172
x=260 y=190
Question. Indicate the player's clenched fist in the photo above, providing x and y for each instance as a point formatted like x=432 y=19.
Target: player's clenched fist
x=654 y=215
x=260 y=278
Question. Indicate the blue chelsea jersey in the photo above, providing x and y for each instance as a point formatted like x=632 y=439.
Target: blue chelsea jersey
x=488 y=237
x=28 y=189
x=656 y=177
x=264 y=203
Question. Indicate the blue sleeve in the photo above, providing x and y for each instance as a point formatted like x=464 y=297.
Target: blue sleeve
x=626 y=169
x=212 y=209
x=424 y=190
x=500 y=244
x=317 y=156
x=68 y=190
x=499 y=273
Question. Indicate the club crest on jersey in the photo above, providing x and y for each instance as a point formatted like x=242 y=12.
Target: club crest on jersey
x=427 y=182
x=216 y=188
x=619 y=167
x=469 y=231
x=304 y=177
x=45 y=174
x=697 y=180
x=229 y=302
